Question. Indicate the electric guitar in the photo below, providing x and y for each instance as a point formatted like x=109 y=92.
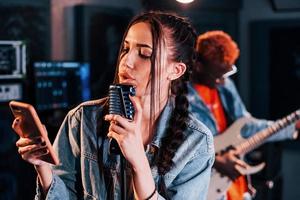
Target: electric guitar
x=219 y=183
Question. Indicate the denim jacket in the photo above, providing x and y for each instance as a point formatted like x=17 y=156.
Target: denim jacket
x=234 y=109
x=88 y=171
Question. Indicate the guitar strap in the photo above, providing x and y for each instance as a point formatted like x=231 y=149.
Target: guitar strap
x=251 y=189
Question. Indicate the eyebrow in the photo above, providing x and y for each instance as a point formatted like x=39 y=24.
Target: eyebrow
x=140 y=45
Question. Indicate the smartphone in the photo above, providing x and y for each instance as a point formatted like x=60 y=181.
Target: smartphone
x=31 y=126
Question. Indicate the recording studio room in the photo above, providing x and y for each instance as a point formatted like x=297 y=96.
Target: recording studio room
x=56 y=54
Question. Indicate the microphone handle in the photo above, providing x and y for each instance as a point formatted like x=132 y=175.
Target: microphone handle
x=120 y=104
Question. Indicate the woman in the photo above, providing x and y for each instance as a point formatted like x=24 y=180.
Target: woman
x=155 y=57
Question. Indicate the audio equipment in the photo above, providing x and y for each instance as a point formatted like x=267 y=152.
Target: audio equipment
x=120 y=104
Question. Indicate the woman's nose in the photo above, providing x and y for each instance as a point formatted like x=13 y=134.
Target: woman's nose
x=130 y=59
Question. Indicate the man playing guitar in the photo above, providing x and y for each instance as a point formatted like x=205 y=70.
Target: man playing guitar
x=214 y=100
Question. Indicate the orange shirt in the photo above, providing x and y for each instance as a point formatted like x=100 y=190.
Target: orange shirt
x=237 y=189
x=212 y=100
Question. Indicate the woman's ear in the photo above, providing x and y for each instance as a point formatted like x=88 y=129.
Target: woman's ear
x=178 y=69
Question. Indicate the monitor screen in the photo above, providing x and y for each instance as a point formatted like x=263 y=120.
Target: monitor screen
x=12 y=59
x=60 y=85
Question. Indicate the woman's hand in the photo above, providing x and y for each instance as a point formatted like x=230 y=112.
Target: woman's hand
x=230 y=165
x=30 y=149
x=128 y=134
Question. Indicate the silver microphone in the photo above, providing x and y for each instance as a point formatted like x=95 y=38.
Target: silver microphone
x=120 y=104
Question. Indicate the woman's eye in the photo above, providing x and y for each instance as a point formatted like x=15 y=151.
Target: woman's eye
x=145 y=56
x=145 y=53
x=125 y=49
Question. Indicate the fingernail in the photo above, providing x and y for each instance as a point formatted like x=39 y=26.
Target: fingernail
x=39 y=140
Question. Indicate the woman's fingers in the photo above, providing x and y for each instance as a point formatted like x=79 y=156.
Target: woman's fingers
x=114 y=118
x=116 y=128
x=31 y=148
x=117 y=119
x=16 y=126
x=116 y=136
x=22 y=142
x=32 y=153
x=137 y=106
x=123 y=122
x=35 y=153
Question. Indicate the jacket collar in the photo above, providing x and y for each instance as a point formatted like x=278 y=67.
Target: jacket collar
x=162 y=123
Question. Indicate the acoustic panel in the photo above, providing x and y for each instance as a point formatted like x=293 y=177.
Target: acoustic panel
x=99 y=32
x=286 y=5
x=27 y=23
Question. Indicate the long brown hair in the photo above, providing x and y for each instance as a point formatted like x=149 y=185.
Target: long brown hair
x=177 y=32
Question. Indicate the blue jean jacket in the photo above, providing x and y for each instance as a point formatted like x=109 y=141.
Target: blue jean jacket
x=234 y=109
x=88 y=171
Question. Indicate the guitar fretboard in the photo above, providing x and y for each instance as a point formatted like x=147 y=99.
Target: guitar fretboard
x=257 y=139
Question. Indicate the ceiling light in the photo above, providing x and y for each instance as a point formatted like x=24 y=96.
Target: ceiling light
x=185 y=1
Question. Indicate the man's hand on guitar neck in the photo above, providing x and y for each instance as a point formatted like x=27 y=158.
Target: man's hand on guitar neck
x=229 y=164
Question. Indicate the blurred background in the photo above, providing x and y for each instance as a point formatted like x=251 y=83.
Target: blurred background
x=55 y=54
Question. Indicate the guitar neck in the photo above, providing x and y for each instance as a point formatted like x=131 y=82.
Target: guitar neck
x=260 y=137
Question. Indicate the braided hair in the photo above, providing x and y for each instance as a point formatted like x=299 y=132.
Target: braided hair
x=176 y=33
x=183 y=36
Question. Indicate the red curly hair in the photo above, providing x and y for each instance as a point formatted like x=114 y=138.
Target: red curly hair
x=217 y=46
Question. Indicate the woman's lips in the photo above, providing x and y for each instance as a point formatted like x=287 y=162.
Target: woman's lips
x=125 y=75
x=127 y=79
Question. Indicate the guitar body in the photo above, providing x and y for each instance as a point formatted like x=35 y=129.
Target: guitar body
x=219 y=183
x=231 y=136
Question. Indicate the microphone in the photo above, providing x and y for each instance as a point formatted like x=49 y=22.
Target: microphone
x=120 y=104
